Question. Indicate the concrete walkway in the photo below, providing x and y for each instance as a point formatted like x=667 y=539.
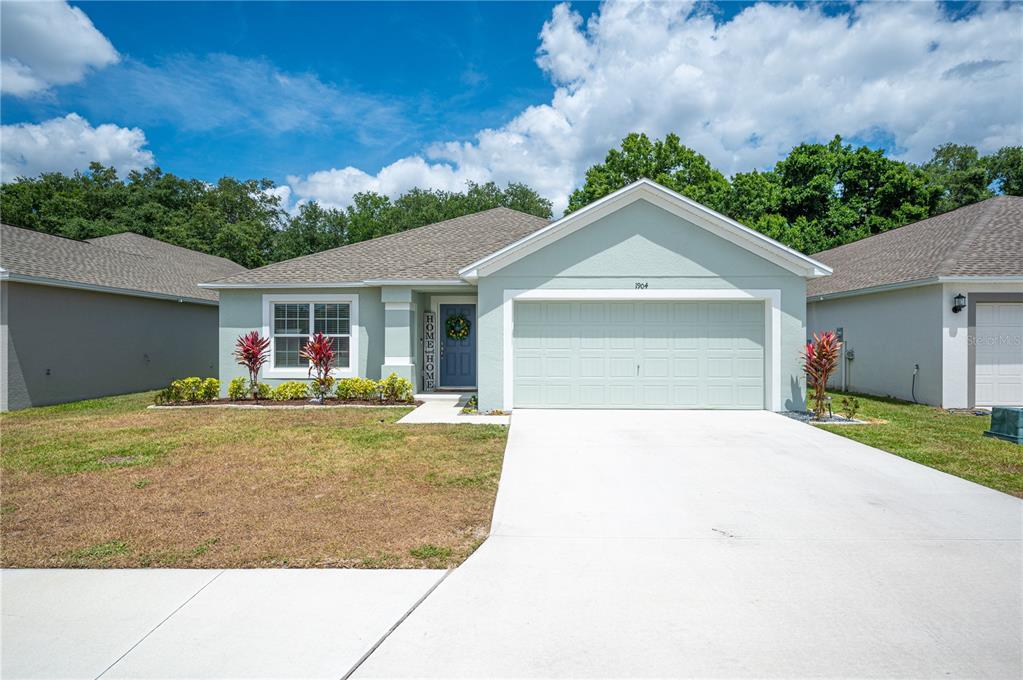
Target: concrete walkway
x=711 y=544
x=446 y=408
x=191 y=623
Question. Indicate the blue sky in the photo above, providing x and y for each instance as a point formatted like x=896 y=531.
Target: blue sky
x=327 y=99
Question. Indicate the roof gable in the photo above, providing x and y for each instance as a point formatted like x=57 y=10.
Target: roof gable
x=664 y=198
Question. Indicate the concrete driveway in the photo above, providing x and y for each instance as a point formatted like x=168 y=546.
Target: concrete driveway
x=721 y=544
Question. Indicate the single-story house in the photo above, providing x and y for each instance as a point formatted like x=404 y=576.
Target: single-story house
x=109 y=315
x=932 y=311
x=643 y=299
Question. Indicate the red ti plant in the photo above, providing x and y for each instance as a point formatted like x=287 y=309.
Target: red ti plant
x=252 y=351
x=820 y=360
x=319 y=351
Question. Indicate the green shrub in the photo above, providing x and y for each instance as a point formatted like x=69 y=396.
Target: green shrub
x=238 y=388
x=189 y=390
x=395 y=388
x=357 y=388
x=264 y=391
x=291 y=390
x=851 y=406
x=208 y=390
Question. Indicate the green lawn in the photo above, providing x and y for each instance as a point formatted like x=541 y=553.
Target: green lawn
x=950 y=442
x=109 y=483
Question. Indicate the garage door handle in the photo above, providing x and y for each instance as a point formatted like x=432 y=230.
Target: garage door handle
x=637 y=369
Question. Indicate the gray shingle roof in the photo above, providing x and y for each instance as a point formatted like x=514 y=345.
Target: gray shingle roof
x=127 y=262
x=435 y=251
x=983 y=239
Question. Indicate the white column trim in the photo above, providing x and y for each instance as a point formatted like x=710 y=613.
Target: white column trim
x=772 y=323
x=397 y=306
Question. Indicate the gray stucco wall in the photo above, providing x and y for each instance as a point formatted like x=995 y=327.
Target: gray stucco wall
x=63 y=344
x=241 y=311
x=889 y=333
x=641 y=243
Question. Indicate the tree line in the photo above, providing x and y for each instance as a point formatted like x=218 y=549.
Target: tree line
x=243 y=221
x=819 y=196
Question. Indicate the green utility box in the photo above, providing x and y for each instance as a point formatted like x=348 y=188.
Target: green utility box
x=1007 y=424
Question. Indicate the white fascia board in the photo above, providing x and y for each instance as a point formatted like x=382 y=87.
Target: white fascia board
x=340 y=284
x=59 y=283
x=415 y=282
x=225 y=286
x=664 y=198
x=929 y=281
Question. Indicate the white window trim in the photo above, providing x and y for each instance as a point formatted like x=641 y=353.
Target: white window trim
x=270 y=371
x=772 y=324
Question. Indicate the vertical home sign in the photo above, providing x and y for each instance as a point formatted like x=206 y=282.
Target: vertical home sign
x=429 y=351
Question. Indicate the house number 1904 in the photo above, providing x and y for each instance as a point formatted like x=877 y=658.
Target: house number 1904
x=642 y=285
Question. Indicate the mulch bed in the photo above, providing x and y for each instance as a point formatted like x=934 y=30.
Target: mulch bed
x=269 y=403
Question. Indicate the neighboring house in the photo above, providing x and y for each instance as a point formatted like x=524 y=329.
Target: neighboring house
x=894 y=296
x=643 y=299
x=116 y=314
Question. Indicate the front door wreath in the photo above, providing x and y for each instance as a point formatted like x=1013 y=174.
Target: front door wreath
x=457 y=327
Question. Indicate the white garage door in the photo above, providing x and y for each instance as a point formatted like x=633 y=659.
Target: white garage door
x=999 y=354
x=639 y=355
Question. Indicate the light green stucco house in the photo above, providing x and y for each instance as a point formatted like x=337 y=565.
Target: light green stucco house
x=643 y=299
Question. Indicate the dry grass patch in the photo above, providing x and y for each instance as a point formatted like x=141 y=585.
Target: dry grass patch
x=108 y=483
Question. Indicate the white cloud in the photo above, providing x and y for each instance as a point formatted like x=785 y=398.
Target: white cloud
x=67 y=144
x=742 y=92
x=225 y=92
x=48 y=43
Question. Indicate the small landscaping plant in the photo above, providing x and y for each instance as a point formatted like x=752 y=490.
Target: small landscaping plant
x=191 y=390
x=290 y=390
x=252 y=351
x=351 y=389
x=850 y=406
x=819 y=361
x=238 y=388
x=319 y=351
x=396 y=388
x=471 y=405
x=208 y=390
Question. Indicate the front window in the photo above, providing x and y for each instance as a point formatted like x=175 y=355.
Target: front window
x=292 y=322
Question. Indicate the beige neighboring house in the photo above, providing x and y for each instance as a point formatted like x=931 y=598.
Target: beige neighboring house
x=932 y=310
x=110 y=315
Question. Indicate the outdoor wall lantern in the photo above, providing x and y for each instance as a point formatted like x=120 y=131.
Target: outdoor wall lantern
x=958 y=303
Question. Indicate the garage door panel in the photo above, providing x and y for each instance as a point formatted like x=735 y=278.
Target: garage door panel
x=639 y=355
x=654 y=367
x=686 y=367
x=621 y=367
x=621 y=312
x=592 y=367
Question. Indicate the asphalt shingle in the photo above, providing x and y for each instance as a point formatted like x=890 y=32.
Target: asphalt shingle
x=126 y=261
x=983 y=239
x=434 y=251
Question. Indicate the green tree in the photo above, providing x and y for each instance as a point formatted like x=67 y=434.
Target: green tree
x=960 y=174
x=1005 y=170
x=666 y=161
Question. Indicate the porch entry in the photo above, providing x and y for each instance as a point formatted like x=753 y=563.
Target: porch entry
x=457 y=356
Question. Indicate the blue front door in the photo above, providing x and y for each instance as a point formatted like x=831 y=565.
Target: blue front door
x=457 y=357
